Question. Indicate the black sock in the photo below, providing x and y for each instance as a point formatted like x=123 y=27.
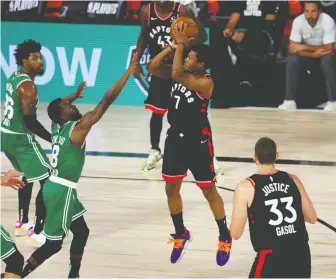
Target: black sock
x=74 y=268
x=27 y=269
x=24 y=201
x=223 y=229
x=155 y=130
x=48 y=249
x=178 y=223
x=40 y=211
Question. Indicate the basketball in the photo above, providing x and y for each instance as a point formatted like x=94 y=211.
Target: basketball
x=192 y=29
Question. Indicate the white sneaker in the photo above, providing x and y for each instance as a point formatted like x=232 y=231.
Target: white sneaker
x=153 y=157
x=36 y=240
x=331 y=106
x=22 y=229
x=288 y=105
x=218 y=169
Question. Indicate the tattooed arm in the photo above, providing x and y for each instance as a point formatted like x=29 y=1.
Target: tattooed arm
x=28 y=94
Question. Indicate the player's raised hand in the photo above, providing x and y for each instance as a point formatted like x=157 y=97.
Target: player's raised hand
x=80 y=89
x=12 y=179
x=180 y=33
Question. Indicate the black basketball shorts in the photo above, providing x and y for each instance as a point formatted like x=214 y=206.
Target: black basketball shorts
x=293 y=262
x=159 y=95
x=184 y=152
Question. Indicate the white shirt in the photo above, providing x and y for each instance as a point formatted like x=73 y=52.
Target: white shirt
x=323 y=33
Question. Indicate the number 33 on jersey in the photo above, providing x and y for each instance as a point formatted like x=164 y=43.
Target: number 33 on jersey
x=275 y=214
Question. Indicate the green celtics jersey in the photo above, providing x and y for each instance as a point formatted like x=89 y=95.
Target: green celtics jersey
x=13 y=115
x=66 y=159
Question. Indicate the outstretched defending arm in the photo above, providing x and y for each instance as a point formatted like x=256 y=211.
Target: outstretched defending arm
x=83 y=126
x=142 y=40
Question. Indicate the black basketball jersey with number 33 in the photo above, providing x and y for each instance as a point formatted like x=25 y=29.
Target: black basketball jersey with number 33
x=275 y=215
x=159 y=28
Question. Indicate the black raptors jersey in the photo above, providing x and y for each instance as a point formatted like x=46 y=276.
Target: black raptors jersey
x=188 y=110
x=159 y=28
x=275 y=215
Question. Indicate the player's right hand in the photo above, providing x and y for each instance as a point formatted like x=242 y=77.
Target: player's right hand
x=12 y=179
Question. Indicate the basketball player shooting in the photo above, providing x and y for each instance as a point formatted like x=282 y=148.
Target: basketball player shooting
x=156 y=19
x=64 y=211
x=188 y=144
x=276 y=206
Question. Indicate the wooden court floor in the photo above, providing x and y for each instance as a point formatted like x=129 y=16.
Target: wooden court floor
x=127 y=211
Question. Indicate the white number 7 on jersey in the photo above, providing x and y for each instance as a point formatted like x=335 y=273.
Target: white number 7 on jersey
x=177 y=102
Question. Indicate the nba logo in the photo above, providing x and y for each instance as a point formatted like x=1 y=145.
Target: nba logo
x=143 y=82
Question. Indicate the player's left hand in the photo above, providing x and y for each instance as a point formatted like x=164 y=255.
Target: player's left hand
x=80 y=89
x=12 y=179
x=181 y=34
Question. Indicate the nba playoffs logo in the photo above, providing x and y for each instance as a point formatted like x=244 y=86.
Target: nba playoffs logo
x=143 y=81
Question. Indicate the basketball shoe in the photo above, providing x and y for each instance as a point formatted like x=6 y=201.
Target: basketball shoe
x=153 y=157
x=218 y=170
x=180 y=244
x=36 y=240
x=288 y=105
x=223 y=251
x=22 y=229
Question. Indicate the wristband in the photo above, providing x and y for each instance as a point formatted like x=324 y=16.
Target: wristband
x=170 y=47
x=241 y=30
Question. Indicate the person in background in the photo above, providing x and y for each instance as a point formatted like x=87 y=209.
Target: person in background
x=251 y=32
x=312 y=44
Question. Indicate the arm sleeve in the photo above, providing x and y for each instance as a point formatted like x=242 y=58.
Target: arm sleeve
x=36 y=127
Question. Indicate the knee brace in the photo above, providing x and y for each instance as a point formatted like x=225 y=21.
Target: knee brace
x=14 y=263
